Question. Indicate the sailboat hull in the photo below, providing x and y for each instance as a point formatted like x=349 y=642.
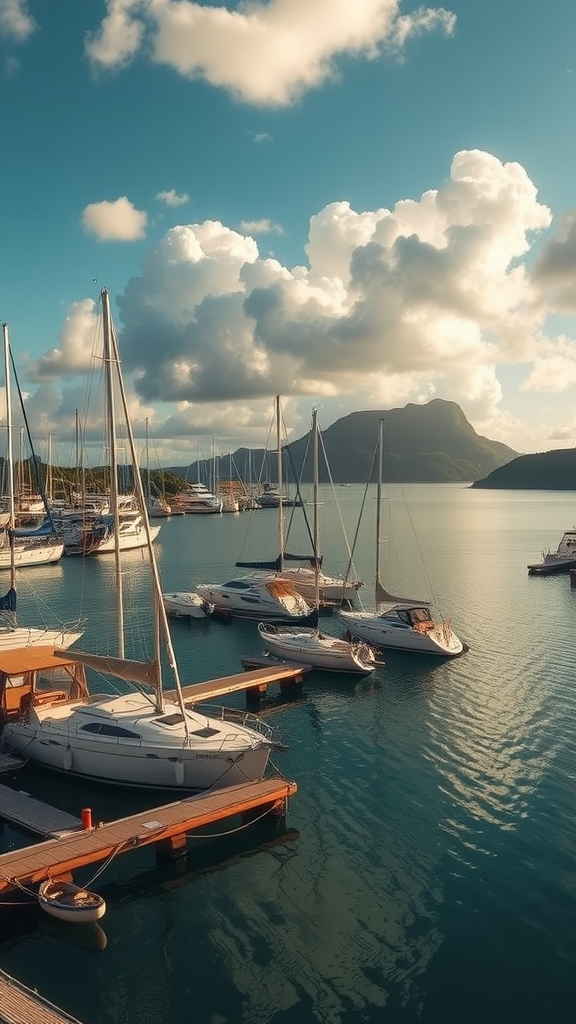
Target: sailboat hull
x=310 y=647
x=40 y=554
x=24 y=636
x=123 y=741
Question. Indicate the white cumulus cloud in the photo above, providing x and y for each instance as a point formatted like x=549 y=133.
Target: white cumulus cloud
x=173 y=198
x=429 y=298
x=16 y=22
x=267 y=54
x=114 y=221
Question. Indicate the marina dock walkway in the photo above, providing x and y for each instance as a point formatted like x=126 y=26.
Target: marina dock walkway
x=21 y=809
x=20 y=1005
x=166 y=825
x=257 y=681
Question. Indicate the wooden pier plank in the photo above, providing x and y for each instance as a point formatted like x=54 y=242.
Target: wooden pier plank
x=67 y=853
x=21 y=809
x=20 y=1005
x=212 y=688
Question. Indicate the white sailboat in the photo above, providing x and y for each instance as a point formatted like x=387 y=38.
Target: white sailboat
x=140 y=738
x=311 y=646
x=262 y=595
x=21 y=547
x=401 y=623
x=11 y=634
x=307 y=575
x=123 y=527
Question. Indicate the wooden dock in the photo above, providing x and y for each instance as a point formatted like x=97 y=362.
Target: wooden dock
x=167 y=826
x=34 y=816
x=20 y=1005
x=287 y=674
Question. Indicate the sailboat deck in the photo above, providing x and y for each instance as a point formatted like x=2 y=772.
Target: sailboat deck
x=67 y=853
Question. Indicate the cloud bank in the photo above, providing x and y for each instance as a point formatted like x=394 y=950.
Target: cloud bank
x=426 y=299
x=266 y=54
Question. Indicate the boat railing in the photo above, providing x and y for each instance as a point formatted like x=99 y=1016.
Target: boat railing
x=236 y=715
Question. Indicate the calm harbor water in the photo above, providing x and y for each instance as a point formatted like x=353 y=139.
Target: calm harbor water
x=427 y=869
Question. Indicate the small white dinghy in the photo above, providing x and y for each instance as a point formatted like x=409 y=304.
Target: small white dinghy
x=69 y=902
x=187 y=605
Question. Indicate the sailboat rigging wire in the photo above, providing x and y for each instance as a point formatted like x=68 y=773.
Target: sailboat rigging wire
x=33 y=456
x=361 y=514
x=407 y=511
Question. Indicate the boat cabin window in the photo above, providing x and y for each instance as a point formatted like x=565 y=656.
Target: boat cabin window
x=418 y=615
x=59 y=678
x=103 y=729
x=14 y=681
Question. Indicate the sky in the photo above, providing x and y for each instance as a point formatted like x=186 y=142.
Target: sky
x=353 y=205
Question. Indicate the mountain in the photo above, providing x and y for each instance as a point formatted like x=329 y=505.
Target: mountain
x=552 y=471
x=432 y=443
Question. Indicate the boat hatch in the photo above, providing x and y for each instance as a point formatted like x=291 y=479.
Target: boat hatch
x=169 y=720
x=206 y=732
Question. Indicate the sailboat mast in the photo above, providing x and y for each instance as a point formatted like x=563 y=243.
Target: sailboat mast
x=148 y=489
x=49 y=482
x=9 y=449
x=159 y=609
x=316 y=535
x=378 y=514
x=279 y=465
x=108 y=358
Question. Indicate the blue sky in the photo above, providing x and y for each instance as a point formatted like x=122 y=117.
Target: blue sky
x=353 y=205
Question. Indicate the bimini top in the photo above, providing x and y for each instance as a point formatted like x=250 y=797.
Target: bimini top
x=31 y=659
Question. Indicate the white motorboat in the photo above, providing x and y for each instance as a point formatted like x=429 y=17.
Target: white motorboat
x=197 y=500
x=561 y=560
x=69 y=902
x=252 y=598
x=402 y=623
x=145 y=738
x=311 y=646
x=187 y=604
x=332 y=589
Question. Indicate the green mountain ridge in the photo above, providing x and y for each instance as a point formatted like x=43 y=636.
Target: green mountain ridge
x=432 y=443
x=554 y=471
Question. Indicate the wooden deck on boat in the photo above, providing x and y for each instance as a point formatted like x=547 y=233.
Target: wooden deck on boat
x=21 y=809
x=257 y=681
x=20 y=1005
x=167 y=824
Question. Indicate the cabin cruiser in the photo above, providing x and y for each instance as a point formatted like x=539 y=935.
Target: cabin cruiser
x=561 y=560
x=197 y=499
x=252 y=598
x=186 y=604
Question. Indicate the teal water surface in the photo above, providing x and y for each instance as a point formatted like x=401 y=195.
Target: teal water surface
x=426 y=873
